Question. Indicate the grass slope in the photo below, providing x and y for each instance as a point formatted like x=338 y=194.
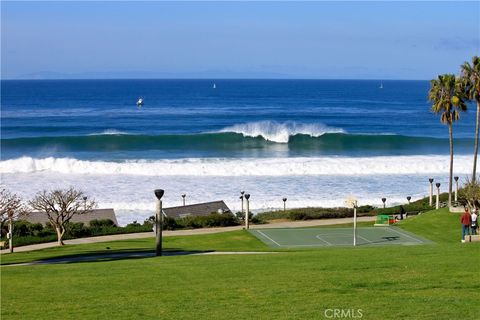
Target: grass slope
x=226 y=241
x=439 y=281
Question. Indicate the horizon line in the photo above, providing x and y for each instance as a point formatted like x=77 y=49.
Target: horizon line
x=214 y=79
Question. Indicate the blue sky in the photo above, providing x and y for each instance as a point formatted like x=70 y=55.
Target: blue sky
x=362 y=40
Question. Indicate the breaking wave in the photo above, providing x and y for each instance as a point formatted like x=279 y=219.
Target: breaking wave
x=382 y=165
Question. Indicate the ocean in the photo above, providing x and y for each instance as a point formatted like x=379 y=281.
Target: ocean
x=315 y=142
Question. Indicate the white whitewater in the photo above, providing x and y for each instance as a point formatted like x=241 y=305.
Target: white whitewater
x=353 y=166
x=280 y=132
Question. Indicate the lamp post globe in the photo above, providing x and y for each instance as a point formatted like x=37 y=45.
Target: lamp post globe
x=159 y=193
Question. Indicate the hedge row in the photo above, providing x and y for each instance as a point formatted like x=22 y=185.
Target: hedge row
x=208 y=221
x=25 y=233
x=325 y=213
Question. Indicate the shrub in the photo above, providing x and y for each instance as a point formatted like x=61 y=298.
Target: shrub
x=77 y=230
x=102 y=223
x=211 y=220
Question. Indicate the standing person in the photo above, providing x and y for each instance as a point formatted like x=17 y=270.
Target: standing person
x=402 y=212
x=474 y=219
x=466 y=221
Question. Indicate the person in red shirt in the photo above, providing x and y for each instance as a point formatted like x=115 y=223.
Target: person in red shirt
x=465 y=221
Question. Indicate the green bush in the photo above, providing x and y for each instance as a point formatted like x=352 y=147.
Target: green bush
x=208 y=221
x=170 y=224
x=102 y=223
x=77 y=230
x=26 y=233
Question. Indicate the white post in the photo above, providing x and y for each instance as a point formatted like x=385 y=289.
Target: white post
x=431 y=192
x=158 y=228
x=456 y=189
x=437 y=206
x=247 y=210
x=10 y=235
x=355 y=224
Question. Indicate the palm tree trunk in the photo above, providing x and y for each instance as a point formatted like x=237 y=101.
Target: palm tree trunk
x=451 y=166
x=474 y=174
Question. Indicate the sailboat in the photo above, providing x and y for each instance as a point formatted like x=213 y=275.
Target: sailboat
x=214 y=86
x=381 y=85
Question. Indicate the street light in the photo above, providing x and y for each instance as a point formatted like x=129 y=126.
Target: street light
x=384 y=200
x=247 y=211
x=284 y=204
x=437 y=205
x=183 y=196
x=431 y=191
x=408 y=199
x=158 y=222
x=241 y=198
x=456 y=188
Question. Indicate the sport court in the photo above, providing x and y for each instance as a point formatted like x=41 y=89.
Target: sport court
x=335 y=237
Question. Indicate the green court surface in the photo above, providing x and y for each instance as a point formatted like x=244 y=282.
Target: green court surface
x=333 y=237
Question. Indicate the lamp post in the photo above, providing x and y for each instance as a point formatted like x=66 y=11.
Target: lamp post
x=431 y=192
x=437 y=205
x=456 y=188
x=241 y=198
x=158 y=222
x=241 y=201
x=384 y=200
x=408 y=199
x=247 y=210
x=354 y=203
x=183 y=197
x=10 y=235
x=284 y=204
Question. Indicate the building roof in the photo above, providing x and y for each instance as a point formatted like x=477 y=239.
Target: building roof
x=98 y=214
x=199 y=209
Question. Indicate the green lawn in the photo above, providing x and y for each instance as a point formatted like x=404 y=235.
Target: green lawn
x=438 y=281
x=226 y=241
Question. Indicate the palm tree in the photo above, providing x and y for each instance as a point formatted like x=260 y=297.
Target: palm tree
x=446 y=96
x=471 y=87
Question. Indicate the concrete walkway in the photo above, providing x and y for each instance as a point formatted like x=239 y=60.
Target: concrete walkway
x=129 y=255
x=127 y=236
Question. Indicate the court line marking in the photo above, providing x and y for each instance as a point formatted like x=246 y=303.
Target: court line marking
x=359 y=236
x=320 y=238
x=263 y=234
x=334 y=235
x=406 y=235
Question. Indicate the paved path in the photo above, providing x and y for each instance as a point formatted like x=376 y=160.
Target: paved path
x=276 y=224
x=128 y=255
